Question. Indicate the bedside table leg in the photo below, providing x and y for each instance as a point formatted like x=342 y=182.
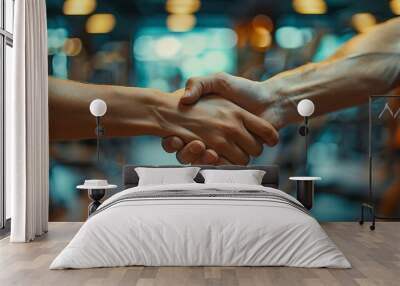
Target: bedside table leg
x=95 y=196
x=305 y=193
x=93 y=207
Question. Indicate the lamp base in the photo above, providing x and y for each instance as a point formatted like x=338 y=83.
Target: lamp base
x=305 y=193
x=95 y=195
x=371 y=209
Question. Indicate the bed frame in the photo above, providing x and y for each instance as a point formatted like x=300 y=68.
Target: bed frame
x=271 y=178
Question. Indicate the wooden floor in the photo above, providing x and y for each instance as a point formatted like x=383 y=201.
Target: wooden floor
x=375 y=257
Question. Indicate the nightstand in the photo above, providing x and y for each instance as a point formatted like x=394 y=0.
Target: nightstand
x=305 y=190
x=96 y=190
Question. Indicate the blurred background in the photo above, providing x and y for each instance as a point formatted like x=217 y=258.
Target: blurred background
x=160 y=44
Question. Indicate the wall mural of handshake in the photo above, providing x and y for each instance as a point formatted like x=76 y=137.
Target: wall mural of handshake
x=223 y=119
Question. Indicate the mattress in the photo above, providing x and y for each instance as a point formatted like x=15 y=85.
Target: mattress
x=201 y=225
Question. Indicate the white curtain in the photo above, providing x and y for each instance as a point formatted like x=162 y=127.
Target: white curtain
x=27 y=140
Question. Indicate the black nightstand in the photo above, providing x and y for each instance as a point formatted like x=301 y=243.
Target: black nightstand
x=96 y=192
x=305 y=190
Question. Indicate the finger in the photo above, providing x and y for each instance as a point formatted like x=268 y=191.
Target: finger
x=199 y=86
x=172 y=144
x=261 y=128
x=223 y=161
x=209 y=157
x=192 y=152
x=197 y=162
x=194 y=89
x=232 y=152
x=245 y=140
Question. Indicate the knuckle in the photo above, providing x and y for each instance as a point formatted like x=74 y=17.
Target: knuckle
x=203 y=85
x=221 y=75
x=222 y=114
x=238 y=113
x=191 y=81
x=222 y=79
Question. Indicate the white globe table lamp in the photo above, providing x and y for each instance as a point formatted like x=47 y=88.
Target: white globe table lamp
x=305 y=108
x=98 y=108
x=96 y=188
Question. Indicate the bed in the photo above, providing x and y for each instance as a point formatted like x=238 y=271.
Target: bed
x=199 y=224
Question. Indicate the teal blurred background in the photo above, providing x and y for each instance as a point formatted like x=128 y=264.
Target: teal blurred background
x=160 y=44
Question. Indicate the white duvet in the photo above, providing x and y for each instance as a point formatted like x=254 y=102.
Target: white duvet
x=200 y=231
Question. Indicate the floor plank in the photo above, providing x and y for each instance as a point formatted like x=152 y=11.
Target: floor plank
x=375 y=257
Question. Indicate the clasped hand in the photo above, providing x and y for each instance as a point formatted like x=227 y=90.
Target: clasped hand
x=236 y=129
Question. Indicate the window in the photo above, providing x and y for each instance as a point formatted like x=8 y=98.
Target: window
x=6 y=43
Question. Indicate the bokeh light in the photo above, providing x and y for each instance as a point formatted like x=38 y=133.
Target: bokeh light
x=363 y=22
x=56 y=39
x=395 y=6
x=289 y=37
x=216 y=61
x=100 y=23
x=72 y=47
x=79 y=7
x=193 y=66
x=193 y=44
x=182 y=6
x=181 y=22
x=167 y=47
x=161 y=56
x=310 y=6
x=59 y=65
x=221 y=38
x=260 y=38
x=262 y=21
x=143 y=48
x=328 y=45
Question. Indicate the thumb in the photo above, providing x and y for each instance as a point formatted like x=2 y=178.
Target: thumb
x=196 y=87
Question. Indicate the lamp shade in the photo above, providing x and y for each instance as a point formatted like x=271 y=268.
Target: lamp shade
x=98 y=107
x=305 y=108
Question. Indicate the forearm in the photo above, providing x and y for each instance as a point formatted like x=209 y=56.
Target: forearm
x=333 y=86
x=367 y=65
x=130 y=111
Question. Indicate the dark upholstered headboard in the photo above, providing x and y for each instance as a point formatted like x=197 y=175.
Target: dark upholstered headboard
x=271 y=178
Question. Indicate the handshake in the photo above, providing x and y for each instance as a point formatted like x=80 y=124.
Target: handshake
x=223 y=119
x=227 y=120
x=216 y=119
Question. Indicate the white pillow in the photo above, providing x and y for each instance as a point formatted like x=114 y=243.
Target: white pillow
x=165 y=176
x=247 y=177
